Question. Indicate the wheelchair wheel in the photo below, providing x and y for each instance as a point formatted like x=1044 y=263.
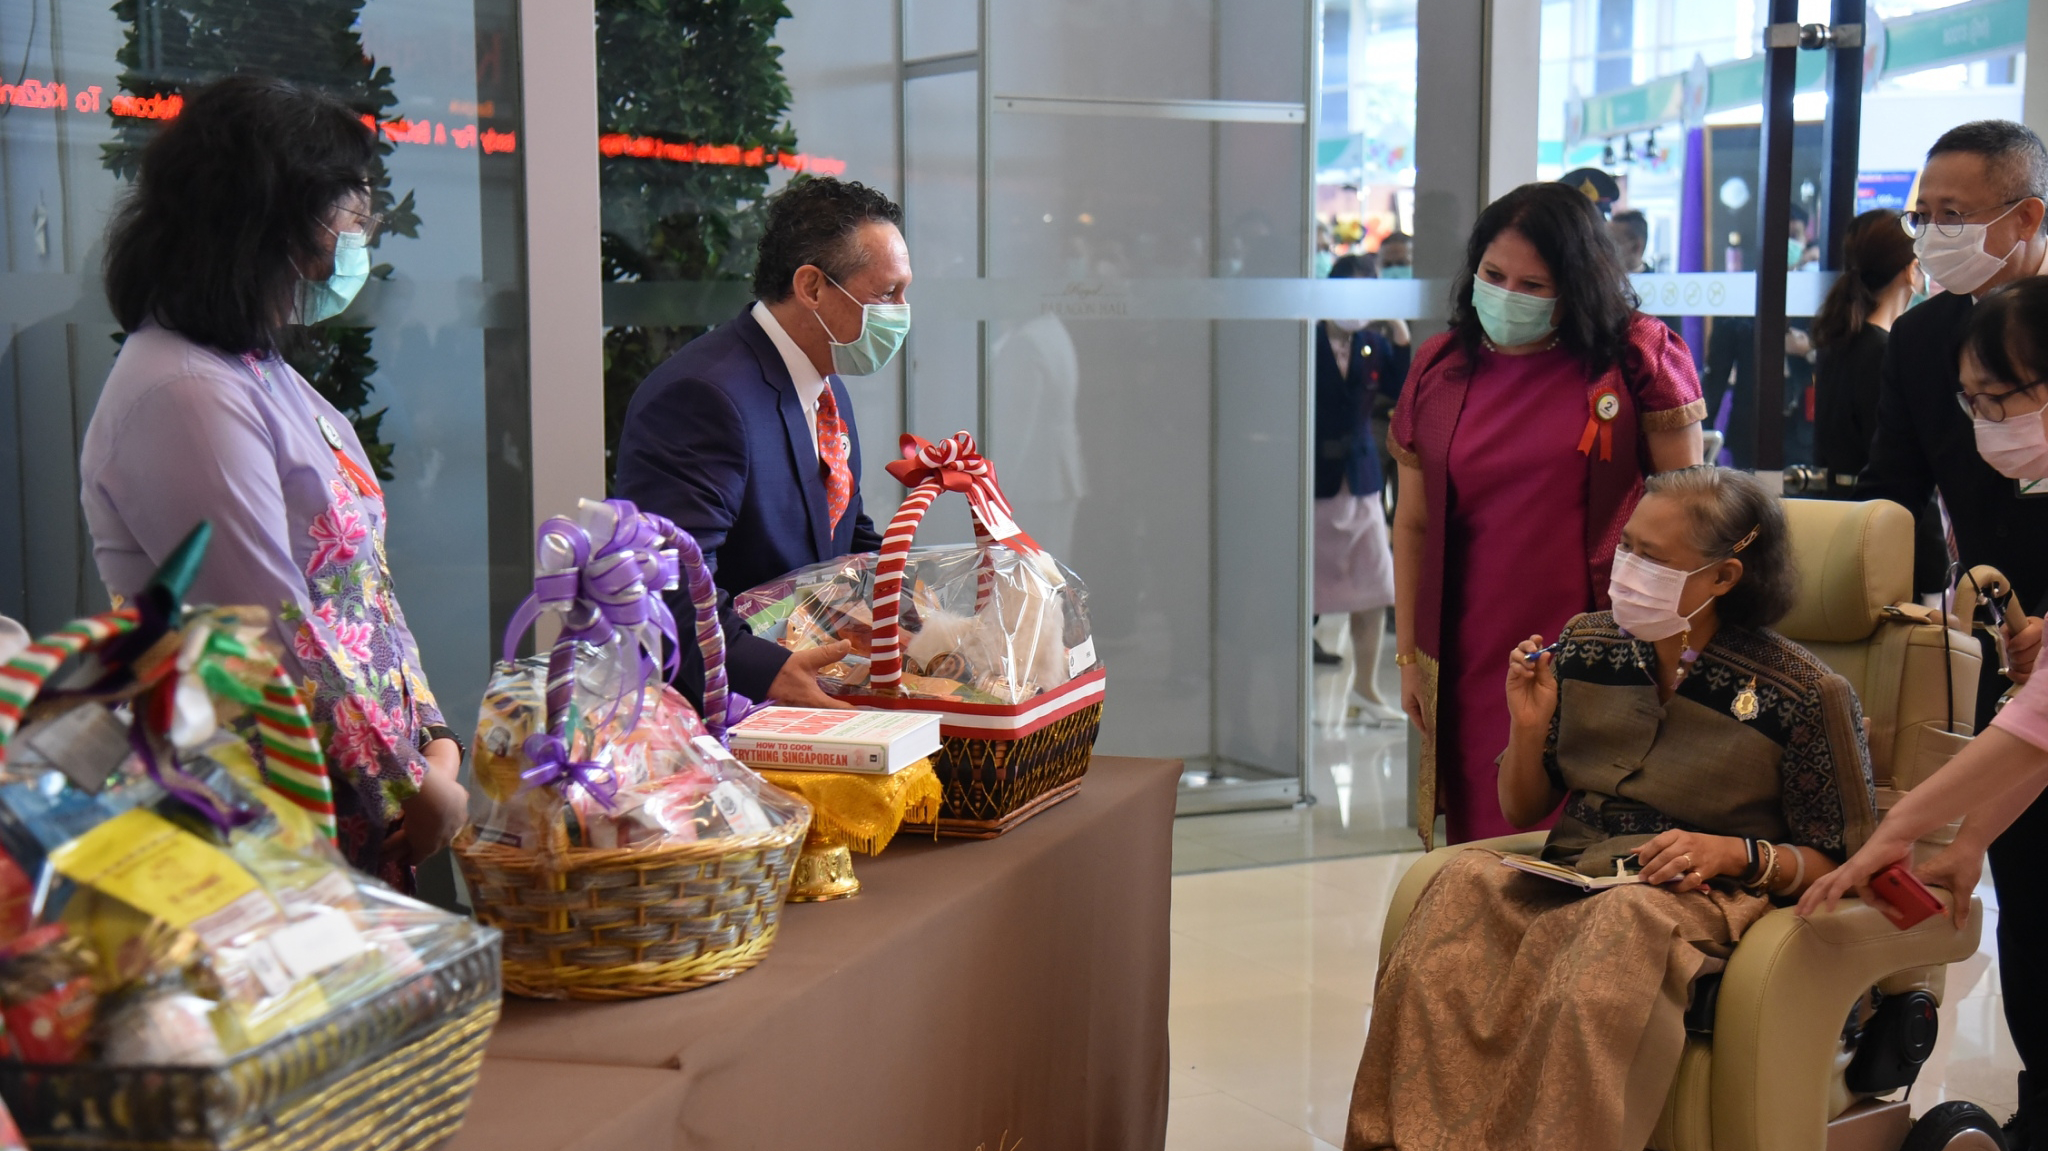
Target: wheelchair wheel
x=1955 y=1126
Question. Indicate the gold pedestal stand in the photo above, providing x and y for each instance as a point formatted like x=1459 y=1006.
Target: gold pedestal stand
x=854 y=812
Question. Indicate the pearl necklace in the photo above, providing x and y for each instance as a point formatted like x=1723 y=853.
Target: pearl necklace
x=1487 y=343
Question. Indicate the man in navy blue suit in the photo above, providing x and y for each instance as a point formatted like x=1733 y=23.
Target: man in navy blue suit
x=746 y=437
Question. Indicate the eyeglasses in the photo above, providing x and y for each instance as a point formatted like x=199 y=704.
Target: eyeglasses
x=1991 y=406
x=368 y=222
x=1947 y=223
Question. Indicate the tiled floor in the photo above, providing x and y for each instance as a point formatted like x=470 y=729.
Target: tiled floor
x=1272 y=989
x=1276 y=931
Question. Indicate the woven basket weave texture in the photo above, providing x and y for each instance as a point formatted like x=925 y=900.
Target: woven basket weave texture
x=393 y=1072
x=632 y=922
x=993 y=785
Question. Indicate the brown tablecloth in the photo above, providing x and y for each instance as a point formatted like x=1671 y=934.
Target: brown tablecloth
x=535 y=1106
x=974 y=995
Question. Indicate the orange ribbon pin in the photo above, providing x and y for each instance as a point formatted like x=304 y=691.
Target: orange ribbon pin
x=1606 y=405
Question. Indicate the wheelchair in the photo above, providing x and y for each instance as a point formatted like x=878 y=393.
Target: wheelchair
x=1816 y=1024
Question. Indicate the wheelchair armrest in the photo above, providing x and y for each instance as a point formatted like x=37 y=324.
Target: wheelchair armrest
x=1423 y=870
x=1787 y=990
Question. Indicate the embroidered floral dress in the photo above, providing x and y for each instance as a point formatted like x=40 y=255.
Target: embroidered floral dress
x=183 y=433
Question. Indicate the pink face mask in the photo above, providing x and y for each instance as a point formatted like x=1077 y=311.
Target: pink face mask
x=1646 y=597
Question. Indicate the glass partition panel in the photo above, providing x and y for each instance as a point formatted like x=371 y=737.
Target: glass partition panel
x=438 y=343
x=942 y=225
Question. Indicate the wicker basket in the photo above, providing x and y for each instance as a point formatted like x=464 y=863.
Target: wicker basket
x=622 y=924
x=1000 y=765
x=392 y=1072
x=625 y=923
x=1001 y=769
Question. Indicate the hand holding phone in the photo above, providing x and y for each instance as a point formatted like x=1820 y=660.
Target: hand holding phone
x=1902 y=898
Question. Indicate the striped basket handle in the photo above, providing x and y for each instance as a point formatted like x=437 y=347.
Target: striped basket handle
x=24 y=676
x=710 y=633
x=952 y=464
x=293 y=765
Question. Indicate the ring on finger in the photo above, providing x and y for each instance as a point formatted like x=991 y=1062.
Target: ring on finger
x=1693 y=875
x=1688 y=861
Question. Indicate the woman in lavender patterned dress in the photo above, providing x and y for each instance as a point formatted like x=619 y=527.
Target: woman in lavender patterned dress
x=251 y=214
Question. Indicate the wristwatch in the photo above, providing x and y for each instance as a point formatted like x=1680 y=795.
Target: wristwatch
x=435 y=731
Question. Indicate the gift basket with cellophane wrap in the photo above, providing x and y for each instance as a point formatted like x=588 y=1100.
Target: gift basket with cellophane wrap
x=614 y=840
x=186 y=961
x=992 y=635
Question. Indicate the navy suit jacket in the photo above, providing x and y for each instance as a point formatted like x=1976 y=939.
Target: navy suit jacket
x=715 y=439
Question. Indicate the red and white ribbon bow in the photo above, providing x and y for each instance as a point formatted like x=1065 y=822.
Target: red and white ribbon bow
x=953 y=464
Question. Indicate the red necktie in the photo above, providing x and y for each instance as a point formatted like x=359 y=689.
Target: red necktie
x=832 y=448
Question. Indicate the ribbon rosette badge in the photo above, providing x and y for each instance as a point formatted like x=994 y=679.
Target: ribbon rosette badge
x=1606 y=405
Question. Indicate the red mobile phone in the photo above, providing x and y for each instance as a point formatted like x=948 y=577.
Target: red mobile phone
x=1902 y=898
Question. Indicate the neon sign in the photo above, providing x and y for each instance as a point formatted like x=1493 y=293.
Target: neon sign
x=650 y=148
x=403 y=131
x=33 y=93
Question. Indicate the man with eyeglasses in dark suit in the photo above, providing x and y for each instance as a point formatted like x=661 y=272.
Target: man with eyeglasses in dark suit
x=1978 y=222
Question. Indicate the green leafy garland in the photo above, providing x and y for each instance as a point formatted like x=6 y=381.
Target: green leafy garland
x=173 y=46
x=682 y=71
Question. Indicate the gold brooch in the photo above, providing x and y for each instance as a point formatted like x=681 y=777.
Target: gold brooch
x=1745 y=707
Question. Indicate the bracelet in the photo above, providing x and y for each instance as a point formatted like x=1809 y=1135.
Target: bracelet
x=1798 y=877
x=1762 y=883
x=1407 y=660
x=1749 y=851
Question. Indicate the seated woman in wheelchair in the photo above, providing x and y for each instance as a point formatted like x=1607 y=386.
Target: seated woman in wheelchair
x=1720 y=761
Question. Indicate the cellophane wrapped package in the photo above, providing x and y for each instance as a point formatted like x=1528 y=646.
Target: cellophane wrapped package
x=183 y=950
x=616 y=774
x=978 y=624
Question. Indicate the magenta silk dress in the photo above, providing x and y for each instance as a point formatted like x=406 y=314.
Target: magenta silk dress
x=1515 y=562
x=1539 y=463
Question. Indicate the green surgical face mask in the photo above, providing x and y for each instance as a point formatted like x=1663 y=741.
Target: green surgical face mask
x=1397 y=272
x=325 y=299
x=1512 y=319
x=882 y=329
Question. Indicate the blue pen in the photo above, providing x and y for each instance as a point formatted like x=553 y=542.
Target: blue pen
x=1549 y=647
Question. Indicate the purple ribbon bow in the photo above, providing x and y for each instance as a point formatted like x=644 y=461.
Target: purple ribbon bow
x=187 y=788
x=553 y=767
x=604 y=572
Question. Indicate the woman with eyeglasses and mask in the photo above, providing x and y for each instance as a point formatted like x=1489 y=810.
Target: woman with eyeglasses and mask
x=251 y=216
x=1997 y=777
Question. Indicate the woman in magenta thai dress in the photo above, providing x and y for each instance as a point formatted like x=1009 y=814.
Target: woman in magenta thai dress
x=1522 y=437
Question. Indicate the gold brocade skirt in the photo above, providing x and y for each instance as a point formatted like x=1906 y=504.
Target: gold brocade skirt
x=1425 y=775
x=1520 y=1013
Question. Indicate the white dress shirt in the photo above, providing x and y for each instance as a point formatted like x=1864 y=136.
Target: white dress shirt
x=809 y=384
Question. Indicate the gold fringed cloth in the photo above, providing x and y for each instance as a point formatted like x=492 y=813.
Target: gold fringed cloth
x=862 y=812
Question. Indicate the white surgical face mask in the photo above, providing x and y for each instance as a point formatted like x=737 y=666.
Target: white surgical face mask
x=1959 y=263
x=1646 y=597
x=2017 y=447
